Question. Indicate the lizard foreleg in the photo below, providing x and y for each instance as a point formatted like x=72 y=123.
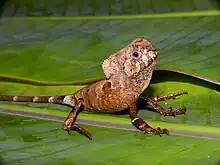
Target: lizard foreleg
x=143 y=126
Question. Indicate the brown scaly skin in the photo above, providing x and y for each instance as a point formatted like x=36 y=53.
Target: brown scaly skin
x=128 y=73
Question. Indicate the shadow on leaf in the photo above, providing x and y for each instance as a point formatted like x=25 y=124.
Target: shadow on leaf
x=165 y=75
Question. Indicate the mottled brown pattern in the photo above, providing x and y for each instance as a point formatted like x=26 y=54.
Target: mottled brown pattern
x=56 y=99
x=101 y=98
x=6 y=98
x=35 y=99
x=128 y=73
x=23 y=98
x=40 y=99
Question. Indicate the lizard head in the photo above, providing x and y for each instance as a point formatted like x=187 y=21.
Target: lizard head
x=140 y=55
x=132 y=60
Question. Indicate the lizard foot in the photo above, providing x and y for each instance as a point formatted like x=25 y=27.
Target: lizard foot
x=171 y=112
x=166 y=112
x=143 y=126
x=77 y=128
x=157 y=131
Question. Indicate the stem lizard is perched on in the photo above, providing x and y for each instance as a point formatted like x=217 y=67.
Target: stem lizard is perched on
x=128 y=73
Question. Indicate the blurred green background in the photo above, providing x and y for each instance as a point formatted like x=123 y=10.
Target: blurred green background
x=98 y=7
x=68 y=40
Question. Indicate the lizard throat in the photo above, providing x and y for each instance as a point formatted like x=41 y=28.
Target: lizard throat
x=141 y=81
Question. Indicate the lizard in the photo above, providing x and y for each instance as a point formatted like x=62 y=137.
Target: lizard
x=128 y=73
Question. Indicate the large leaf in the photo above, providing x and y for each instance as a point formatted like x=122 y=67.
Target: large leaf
x=73 y=48
x=61 y=44
x=32 y=141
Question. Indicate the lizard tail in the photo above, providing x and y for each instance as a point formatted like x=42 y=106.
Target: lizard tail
x=35 y=99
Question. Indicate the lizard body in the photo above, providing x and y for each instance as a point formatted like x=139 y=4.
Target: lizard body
x=128 y=73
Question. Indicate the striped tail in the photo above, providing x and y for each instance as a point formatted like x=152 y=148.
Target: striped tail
x=69 y=99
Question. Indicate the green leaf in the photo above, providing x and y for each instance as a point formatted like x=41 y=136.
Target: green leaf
x=63 y=43
x=56 y=50
x=73 y=48
x=33 y=141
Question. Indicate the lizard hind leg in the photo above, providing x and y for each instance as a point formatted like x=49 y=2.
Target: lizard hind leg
x=69 y=122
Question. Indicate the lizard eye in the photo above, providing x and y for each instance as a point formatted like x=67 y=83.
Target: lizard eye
x=135 y=54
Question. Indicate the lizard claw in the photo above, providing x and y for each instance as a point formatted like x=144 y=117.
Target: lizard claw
x=174 y=113
x=66 y=128
x=68 y=131
x=158 y=131
x=78 y=129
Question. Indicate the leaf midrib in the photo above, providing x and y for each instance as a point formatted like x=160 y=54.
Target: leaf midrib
x=114 y=122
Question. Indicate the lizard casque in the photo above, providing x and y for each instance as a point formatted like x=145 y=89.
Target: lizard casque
x=127 y=74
